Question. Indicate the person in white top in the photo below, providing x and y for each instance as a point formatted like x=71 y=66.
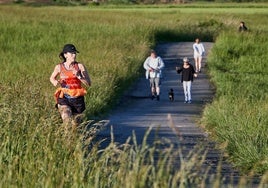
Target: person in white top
x=199 y=52
x=153 y=66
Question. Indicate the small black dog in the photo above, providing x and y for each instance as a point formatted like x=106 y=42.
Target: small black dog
x=171 y=95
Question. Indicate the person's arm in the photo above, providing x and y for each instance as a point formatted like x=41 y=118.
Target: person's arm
x=179 y=69
x=203 y=50
x=146 y=64
x=147 y=67
x=84 y=76
x=195 y=47
x=161 y=63
x=53 y=77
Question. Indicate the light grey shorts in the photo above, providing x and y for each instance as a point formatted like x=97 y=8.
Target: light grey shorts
x=155 y=82
x=197 y=56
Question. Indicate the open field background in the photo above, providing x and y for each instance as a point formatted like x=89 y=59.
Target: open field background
x=113 y=43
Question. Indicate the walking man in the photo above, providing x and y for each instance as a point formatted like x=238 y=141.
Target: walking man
x=153 y=66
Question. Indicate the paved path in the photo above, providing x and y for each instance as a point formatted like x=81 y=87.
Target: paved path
x=173 y=120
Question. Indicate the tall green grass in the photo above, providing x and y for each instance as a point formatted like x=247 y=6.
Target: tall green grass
x=35 y=151
x=238 y=115
x=112 y=45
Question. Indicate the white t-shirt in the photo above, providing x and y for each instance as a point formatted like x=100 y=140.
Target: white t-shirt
x=155 y=63
x=199 y=50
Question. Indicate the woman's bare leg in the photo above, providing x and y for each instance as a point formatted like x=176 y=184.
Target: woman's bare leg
x=199 y=63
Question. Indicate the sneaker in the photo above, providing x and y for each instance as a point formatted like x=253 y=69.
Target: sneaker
x=185 y=102
x=157 y=97
x=152 y=97
x=189 y=101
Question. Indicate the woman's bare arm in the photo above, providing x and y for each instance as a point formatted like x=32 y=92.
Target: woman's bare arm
x=85 y=79
x=55 y=73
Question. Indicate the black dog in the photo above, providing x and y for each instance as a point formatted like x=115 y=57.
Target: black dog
x=171 y=95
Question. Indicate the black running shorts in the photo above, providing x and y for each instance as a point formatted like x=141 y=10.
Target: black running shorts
x=77 y=104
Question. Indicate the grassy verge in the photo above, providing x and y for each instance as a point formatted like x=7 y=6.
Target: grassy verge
x=239 y=112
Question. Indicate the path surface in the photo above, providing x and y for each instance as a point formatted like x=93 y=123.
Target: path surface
x=140 y=112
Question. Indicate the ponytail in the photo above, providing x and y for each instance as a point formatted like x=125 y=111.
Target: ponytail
x=61 y=56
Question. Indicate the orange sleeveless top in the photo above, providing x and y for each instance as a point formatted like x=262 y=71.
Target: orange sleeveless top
x=70 y=84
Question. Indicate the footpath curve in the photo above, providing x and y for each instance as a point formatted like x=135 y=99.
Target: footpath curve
x=171 y=120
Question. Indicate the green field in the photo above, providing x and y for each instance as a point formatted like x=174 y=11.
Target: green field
x=113 y=42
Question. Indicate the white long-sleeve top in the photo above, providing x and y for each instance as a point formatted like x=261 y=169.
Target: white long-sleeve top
x=199 y=49
x=153 y=67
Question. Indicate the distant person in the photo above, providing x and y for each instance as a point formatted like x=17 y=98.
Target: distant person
x=187 y=75
x=68 y=76
x=199 y=52
x=153 y=66
x=242 y=27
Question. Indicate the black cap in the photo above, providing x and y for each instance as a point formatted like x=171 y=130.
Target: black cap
x=69 y=48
